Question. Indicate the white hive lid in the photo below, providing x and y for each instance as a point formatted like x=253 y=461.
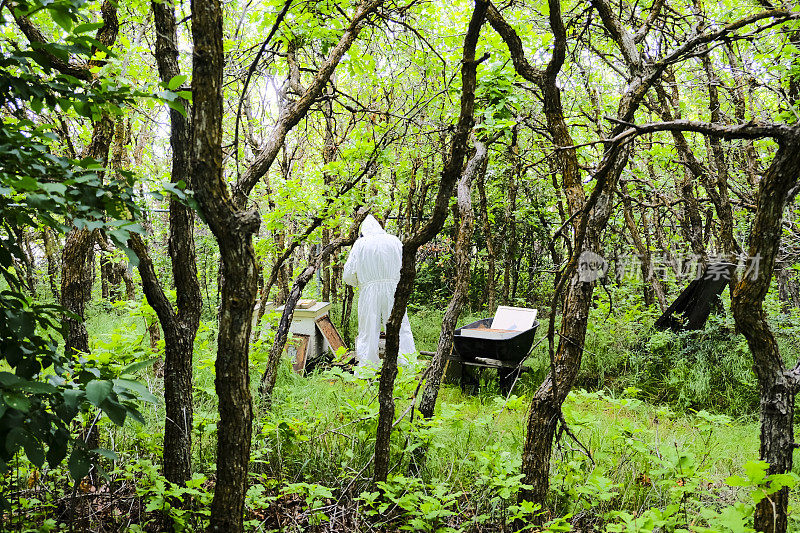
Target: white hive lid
x=315 y=311
x=514 y=318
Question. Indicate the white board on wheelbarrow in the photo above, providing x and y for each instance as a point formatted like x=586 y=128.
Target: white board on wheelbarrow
x=514 y=318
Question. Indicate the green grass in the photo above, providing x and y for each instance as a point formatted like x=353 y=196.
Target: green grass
x=321 y=428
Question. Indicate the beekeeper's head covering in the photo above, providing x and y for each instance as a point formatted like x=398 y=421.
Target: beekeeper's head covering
x=370 y=226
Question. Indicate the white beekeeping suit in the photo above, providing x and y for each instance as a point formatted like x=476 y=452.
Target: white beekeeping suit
x=374 y=266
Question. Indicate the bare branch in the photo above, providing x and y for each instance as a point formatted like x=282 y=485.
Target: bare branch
x=294 y=112
x=751 y=130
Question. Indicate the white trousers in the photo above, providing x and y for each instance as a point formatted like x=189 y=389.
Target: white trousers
x=375 y=303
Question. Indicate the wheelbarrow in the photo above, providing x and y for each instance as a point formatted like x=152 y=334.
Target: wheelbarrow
x=502 y=342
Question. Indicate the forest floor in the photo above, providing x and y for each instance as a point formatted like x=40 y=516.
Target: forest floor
x=625 y=464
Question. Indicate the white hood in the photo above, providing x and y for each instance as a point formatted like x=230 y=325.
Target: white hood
x=370 y=226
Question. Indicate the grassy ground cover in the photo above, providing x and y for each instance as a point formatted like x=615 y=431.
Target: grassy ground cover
x=629 y=462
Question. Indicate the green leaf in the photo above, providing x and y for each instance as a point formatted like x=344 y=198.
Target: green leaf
x=14 y=440
x=108 y=454
x=756 y=471
x=36 y=387
x=136 y=415
x=83 y=108
x=56 y=451
x=7 y=379
x=62 y=17
x=138 y=388
x=72 y=398
x=79 y=463
x=176 y=81
x=17 y=401
x=115 y=411
x=36 y=105
x=177 y=106
x=737 y=481
x=88 y=27
x=33 y=448
x=98 y=390
x=138 y=365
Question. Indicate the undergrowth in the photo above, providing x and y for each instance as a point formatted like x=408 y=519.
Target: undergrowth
x=664 y=439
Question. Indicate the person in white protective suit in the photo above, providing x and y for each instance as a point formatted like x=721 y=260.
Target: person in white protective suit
x=374 y=266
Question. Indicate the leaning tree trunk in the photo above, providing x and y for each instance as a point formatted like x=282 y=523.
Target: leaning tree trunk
x=475 y=168
x=778 y=387
x=450 y=173
x=271 y=373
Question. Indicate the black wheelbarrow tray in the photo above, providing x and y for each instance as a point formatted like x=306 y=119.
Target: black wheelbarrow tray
x=479 y=341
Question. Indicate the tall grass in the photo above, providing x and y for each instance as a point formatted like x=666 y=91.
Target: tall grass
x=644 y=404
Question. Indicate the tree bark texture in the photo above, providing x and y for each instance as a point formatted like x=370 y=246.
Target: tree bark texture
x=778 y=386
x=233 y=229
x=179 y=326
x=76 y=286
x=475 y=167
x=450 y=173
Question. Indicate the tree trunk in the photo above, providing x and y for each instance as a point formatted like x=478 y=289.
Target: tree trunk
x=180 y=327
x=328 y=156
x=233 y=229
x=778 y=387
x=450 y=173
x=347 y=310
x=76 y=286
x=475 y=167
